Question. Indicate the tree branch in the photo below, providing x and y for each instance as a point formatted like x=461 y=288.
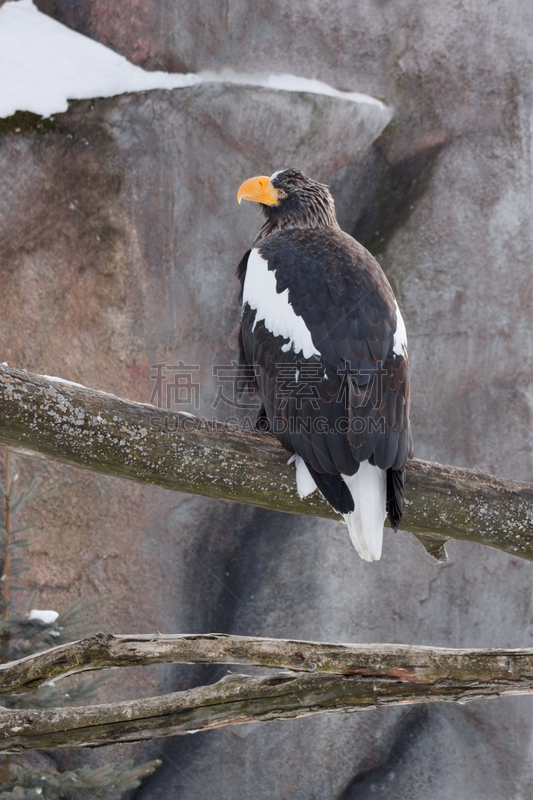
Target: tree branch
x=324 y=678
x=101 y=432
x=105 y=650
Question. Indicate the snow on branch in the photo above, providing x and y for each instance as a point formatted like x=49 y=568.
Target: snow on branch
x=85 y=428
x=318 y=678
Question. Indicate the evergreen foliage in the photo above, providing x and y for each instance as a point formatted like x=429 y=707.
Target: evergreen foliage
x=24 y=633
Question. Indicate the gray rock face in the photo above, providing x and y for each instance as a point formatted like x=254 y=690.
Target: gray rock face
x=119 y=240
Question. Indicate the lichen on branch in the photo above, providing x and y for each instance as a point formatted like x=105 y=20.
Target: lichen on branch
x=316 y=678
x=102 y=432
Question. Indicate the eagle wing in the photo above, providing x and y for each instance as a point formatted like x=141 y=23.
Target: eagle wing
x=325 y=337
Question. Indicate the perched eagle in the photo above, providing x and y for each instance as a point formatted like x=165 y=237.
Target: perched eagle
x=325 y=346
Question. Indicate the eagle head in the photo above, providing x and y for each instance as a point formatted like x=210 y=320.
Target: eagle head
x=290 y=199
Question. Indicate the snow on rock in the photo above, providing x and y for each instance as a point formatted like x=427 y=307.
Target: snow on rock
x=47 y=616
x=291 y=83
x=44 y=64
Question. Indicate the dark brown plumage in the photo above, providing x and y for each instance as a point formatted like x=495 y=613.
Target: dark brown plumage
x=336 y=391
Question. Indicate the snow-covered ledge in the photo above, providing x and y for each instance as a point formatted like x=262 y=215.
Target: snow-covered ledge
x=44 y=64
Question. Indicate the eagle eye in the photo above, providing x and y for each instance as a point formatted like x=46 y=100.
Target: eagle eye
x=282 y=194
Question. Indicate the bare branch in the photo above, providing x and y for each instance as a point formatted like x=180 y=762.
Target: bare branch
x=105 y=650
x=99 y=431
x=331 y=678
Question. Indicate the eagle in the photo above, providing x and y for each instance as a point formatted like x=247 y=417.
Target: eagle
x=323 y=344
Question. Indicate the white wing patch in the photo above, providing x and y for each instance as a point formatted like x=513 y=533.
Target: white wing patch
x=400 y=335
x=260 y=292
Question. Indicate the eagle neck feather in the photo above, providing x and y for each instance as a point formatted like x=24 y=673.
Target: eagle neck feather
x=314 y=210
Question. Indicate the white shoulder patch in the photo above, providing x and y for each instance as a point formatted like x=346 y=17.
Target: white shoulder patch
x=260 y=292
x=400 y=335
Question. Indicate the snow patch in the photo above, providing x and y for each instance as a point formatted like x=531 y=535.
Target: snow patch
x=62 y=380
x=44 y=64
x=100 y=392
x=291 y=83
x=44 y=615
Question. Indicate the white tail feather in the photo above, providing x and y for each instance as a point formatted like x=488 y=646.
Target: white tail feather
x=368 y=488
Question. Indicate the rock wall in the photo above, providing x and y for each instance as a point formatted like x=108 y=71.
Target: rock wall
x=119 y=238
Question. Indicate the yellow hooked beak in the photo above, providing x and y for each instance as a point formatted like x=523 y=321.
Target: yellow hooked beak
x=259 y=190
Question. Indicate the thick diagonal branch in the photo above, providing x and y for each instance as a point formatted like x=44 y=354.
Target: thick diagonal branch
x=102 y=432
x=324 y=678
